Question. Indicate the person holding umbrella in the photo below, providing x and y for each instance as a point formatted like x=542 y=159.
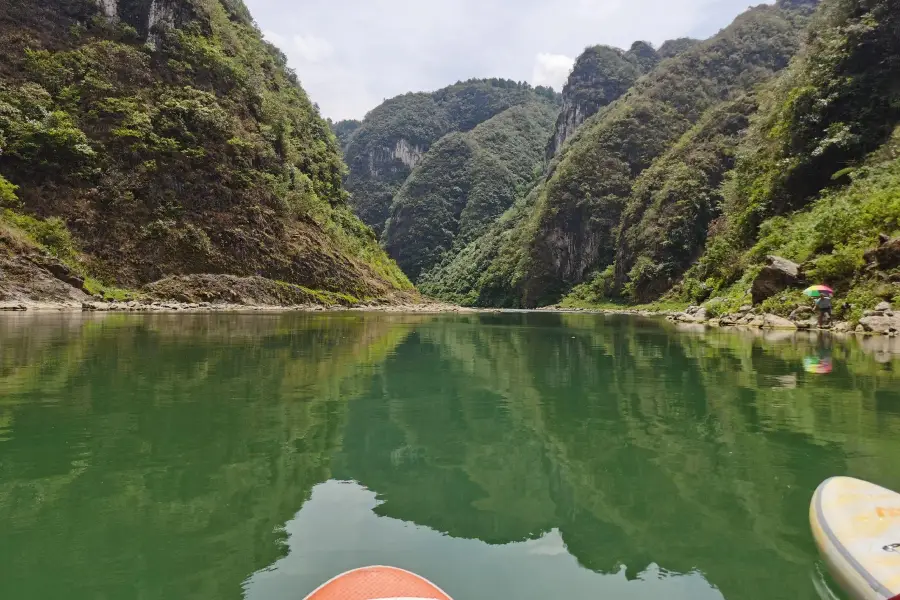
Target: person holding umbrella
x=822 y=295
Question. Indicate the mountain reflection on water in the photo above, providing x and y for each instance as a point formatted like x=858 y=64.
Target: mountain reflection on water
x=185 y=456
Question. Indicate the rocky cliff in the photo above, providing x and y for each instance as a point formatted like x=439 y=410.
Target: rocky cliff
x=165 y=137
x=600 y=76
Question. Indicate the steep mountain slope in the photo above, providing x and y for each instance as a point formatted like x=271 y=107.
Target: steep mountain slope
x=463 y=183
x=666 y=218
x=601 y=75
x=483 y=273
x=577 y=215
x=568 y=226
x=825 y=143
x=170 y=139
x=394 y=136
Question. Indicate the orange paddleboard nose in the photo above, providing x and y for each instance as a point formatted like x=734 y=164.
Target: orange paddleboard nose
x=378 y=583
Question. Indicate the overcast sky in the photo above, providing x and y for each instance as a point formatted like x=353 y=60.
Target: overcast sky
x=351 y=55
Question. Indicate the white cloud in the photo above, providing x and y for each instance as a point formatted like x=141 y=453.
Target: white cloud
x=312 y=49
x=351 y=55
x=551 y=69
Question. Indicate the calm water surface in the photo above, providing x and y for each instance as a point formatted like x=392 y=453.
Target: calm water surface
x=525 y=456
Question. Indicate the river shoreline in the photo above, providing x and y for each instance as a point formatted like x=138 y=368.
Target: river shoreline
x=215 y=307
x=747 y=320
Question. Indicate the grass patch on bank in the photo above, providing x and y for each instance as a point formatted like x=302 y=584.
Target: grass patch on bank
x=110 y=293
x=322 y=297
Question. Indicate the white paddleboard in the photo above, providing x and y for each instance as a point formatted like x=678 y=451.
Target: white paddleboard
x=856 y=525
x=378 y=583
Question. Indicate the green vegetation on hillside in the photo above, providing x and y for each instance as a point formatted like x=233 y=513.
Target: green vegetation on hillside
x=578 y=214
x=666 y=218
x=567 y=230
x=815 y=179
x=463 y=184
x=838 y=101
x=395 y=135
x=482 y=273
x=187 y=146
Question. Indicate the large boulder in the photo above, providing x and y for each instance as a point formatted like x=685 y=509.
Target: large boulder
x=694 y=314
x=881 y=324
x=887 y=255
x=776 y=322
x=779 y=274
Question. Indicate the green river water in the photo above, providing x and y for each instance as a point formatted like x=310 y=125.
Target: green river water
x=521 y=456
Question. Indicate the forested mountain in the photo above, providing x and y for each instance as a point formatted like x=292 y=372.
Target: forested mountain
x=779 y=136
x=395 y=136
x=143 y=139
x=463 y=183
x=813 y=178
x=568 y=226
x=428 y=201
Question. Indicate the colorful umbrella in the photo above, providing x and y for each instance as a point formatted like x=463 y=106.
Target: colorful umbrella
x=818 y=290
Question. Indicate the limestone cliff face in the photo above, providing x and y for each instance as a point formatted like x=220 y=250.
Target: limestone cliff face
x=149 y=17
x=383 y=160
x=600 y=76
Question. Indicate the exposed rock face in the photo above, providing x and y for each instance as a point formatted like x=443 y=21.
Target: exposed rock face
x=408 y=154
x=382 y=160
x=58 y=270
x=160 y=16
x=887 y=255
x=110 y=8
x=26 y=274
x=600 y=76
x=778 y=275
x=149 y=17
